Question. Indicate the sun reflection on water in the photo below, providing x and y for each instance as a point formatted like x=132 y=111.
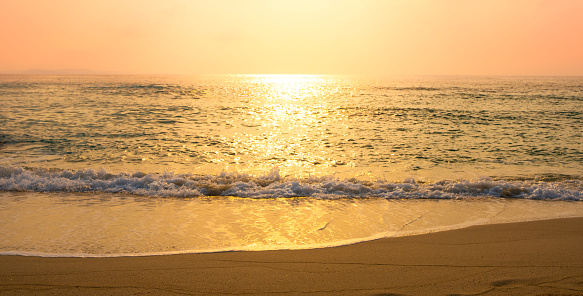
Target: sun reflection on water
x=286 y=114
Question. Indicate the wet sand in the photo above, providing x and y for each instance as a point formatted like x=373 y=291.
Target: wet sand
x=529 y=258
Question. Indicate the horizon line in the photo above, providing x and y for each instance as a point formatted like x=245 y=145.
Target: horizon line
x=82 y=72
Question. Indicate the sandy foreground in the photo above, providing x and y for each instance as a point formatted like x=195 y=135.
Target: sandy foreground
x=530 y=258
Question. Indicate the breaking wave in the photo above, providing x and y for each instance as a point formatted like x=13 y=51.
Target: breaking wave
x=272 y=185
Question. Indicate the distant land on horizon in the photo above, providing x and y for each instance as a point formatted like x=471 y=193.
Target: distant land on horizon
x=60 y=72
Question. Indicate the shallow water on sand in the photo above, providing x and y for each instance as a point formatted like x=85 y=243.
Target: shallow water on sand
x=45 y=224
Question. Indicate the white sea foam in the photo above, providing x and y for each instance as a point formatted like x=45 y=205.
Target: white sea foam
x=273 y=185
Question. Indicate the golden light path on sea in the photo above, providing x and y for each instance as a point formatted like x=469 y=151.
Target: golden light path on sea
x=286 y=112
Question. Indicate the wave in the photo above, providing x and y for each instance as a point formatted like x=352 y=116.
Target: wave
x=272 y=185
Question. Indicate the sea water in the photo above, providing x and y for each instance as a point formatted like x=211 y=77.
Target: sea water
x=138 y=165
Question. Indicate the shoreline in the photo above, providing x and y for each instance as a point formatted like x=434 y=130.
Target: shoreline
x=535 y=257
x=343 y=243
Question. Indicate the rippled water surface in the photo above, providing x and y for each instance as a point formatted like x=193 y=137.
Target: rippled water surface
x=394 y=128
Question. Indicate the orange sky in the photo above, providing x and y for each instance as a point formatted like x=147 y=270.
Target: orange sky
x=450 y=37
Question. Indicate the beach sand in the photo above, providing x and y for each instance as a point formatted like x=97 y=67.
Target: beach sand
x=529 y=258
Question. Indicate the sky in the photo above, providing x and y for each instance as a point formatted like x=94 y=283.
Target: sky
x=370 y=37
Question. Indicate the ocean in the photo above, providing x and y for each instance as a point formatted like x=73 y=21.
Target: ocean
x=133 y=165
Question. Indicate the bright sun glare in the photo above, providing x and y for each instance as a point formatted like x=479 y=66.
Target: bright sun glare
x=288 y=109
